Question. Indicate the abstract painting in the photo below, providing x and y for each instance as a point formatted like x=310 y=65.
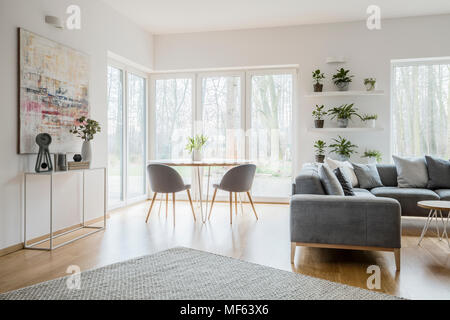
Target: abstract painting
x=54 y=92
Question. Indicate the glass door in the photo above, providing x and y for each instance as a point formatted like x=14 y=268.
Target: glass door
x=127 y=136
x=270 y=138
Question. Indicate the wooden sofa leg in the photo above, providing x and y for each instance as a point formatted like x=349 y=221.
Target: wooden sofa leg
x=397 y=258
x=293 y=247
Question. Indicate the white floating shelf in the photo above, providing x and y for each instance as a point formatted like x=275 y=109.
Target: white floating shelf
x=353 y=93
x=324 y=130
x=336 y=60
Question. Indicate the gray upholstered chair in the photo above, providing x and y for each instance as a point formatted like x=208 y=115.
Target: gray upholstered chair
x=238 y=179
x=164 y=179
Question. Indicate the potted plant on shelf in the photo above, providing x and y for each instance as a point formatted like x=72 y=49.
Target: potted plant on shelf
x=370 y=83
x=318 y=78
x=342 y=79
x=370 y=120
x=344 y=113
x=195 y=145
x=318 y=115
x=86 y=129
x=373 y=156
x=343 y=148
x=320 y=146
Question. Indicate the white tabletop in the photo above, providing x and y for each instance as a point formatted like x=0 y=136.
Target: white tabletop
x=202 y=163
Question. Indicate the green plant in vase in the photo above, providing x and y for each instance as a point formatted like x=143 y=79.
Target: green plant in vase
x=370 y=120
x=86 y=129
x=343 y=114
x=318 y=77
x=318 y=115
x=369 y=83
x=373 y=156
x=320 y=146
x=195 y=145
x=342 y=79
x=343 y=148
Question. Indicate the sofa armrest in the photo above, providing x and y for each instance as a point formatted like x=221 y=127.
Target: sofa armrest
x=357 y=221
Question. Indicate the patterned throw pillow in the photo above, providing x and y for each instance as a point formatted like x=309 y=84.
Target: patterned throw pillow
x=346 y=167
x=368 y=176
x=344 y=181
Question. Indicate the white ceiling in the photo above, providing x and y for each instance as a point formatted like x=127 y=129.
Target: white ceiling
x=180 y=16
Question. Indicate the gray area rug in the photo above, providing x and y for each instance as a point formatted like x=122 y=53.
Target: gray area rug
x=182 y=273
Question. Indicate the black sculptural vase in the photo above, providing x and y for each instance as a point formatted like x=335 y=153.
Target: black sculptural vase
x=44 y=160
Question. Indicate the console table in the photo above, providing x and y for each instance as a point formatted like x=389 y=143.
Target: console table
x=52 y=236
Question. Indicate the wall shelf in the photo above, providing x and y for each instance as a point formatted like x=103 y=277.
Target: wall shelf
x=351 y=93
x=325 y=130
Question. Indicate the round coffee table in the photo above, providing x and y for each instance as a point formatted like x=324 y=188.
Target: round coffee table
x=436 y=206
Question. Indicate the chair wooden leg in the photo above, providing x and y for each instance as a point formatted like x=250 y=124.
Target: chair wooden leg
x=235 y=202
x=293 y=247
x=253 y=206
x=151 y=206
x=231 y=207
x=173 y=199
x=190 y=201
x=212 y=203
x=160 y=204
x=167 y=203
x=397 y=258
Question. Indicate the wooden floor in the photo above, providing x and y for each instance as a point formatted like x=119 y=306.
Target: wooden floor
x=425 y=270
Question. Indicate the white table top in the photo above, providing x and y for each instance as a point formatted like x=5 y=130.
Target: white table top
x=435 y=204
x=202 y=163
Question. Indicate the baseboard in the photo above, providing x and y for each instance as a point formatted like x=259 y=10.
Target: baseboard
x=20 y=246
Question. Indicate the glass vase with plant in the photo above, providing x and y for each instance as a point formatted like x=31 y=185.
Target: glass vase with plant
x=369 y=83
x=195 y=145
x=86 y=129
x=342 y=79
x=343 y=114
x=320 y=146
x=370 y=120
x=318 y=77
x=318 y=115
x=343 y=148
x=373 y=156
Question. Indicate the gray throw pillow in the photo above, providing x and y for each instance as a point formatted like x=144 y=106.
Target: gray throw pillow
x=438 y=172
x=330 y=182
x=345 y=182
x=368 y=176
x=411 y=172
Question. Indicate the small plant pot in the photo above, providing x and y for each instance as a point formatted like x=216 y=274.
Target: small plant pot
x=319 y=123
x=370 y=86
x=342 y=157
x=318 y=87
x=342 y=123
x=320 y=158
x=371 y=123
x=197 y=155
x=342 y=86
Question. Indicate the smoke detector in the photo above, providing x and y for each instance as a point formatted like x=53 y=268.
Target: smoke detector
x=54 y=21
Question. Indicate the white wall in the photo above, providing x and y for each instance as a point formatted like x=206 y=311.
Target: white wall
x=368 y=54
x=102 y=29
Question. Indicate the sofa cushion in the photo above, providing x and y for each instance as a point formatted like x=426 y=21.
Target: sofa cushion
x=438 y=173
x=368 y=176
x=412 y=172
x=308 y=181
x=388 y=174
x=330 y=182
x=408 y=198
x=344 y=181
x=444 y=194
x=362 y=193
x=346 y=166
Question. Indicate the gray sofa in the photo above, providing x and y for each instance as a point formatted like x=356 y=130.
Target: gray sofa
x=371 y=220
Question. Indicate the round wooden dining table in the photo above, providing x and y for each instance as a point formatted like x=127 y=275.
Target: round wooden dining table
x=206 y=163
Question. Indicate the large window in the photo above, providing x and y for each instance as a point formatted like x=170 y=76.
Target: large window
x=271 y=134
x=420 y=108
x=127 y=132
x=244 y=114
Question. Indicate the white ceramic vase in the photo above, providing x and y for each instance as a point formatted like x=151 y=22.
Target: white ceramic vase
x=197 y=155
x=371 y=123
x=86 y=151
